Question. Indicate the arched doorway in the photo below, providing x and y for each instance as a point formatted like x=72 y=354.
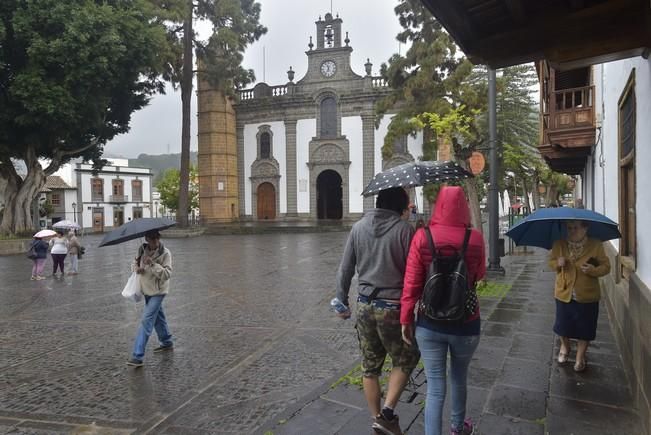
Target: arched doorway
x=266 y=201
x=329 y=195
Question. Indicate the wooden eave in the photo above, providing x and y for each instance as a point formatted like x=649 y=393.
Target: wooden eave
x=568 y=33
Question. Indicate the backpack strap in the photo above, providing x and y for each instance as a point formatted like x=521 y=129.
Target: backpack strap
x=465 y=242
x=432 y=247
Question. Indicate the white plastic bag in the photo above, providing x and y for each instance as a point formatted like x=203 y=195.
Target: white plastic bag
x=132 y=290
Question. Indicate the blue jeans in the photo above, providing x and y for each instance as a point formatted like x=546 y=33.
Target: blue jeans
x=434 y=348
x=152 y=317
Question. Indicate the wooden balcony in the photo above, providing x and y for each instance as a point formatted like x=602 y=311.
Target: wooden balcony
x=568 y=128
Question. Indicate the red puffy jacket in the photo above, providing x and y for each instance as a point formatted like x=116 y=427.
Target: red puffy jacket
x=448 y=225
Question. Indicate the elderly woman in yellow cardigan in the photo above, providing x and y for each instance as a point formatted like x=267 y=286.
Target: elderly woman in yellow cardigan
x=579 y=261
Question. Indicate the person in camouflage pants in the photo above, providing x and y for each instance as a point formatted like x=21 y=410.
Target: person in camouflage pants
x=377 y=249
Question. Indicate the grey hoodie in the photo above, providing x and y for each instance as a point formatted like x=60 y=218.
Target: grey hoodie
x=377 y=246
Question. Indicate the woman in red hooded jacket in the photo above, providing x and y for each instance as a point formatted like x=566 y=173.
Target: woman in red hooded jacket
x=448 y=225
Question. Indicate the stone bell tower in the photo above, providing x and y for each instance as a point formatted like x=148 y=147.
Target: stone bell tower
x=217 y=156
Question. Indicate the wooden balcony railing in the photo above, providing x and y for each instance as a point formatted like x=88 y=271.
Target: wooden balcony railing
x=570 y=108
x=118 y=198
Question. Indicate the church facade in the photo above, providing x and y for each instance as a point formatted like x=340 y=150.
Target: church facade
x=305 y=149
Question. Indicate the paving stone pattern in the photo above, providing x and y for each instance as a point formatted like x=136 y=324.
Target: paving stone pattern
x=515 y=385
x=250 y=315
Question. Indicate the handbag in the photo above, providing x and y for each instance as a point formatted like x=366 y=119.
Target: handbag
x=132 y=290
x=31 y=253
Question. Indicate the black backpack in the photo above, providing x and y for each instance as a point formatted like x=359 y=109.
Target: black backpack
x=448 y=297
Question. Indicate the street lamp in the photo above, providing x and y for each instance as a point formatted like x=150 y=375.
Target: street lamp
x=74 y=210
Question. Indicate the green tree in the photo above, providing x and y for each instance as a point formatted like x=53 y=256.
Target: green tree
x=235 y=25
x=169 y=187
x=71 y=74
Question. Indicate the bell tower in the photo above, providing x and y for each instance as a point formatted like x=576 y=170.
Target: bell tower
x=328 y=32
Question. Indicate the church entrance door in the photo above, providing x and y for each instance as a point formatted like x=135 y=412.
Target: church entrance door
x=329 y=195
x=266 y=201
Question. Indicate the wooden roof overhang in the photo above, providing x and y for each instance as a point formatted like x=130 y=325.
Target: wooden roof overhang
x=567 y=33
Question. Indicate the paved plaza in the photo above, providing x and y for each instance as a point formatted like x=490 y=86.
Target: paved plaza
x=249 y=315
x=257 y=350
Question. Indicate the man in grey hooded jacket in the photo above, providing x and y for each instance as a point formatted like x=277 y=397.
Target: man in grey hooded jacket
x=377 y=248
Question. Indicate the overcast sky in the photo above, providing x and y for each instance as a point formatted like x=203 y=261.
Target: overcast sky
x=372 y=27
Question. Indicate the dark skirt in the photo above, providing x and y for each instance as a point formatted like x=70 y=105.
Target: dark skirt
x=576 y=320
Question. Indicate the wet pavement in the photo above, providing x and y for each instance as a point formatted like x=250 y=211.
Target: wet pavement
x=514 y=385
x=257 y=350
x=249 y=315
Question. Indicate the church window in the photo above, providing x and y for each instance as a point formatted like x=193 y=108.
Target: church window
x=265 y=145
x=328 y=117
x=400 y=145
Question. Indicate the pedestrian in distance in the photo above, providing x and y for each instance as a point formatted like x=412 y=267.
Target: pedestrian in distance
x=377 y=249
x=448 y=226
x=579 y=261
x=73 y=251
x=58 y=251
x=40 y=248
x=154 y=266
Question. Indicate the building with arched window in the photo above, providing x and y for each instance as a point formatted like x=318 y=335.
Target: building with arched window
x=305 y=149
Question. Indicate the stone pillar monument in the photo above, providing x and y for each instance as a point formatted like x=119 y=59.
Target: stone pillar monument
x=217 y=156
x=368 y=148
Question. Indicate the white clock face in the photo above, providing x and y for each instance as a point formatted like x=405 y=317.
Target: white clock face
x=328 y=68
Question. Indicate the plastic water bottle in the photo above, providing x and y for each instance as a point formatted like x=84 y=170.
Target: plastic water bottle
x=338 y=306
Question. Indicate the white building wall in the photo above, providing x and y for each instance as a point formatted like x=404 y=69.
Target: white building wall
x=305 y=131
x=380 y=133
x=415 y=148
x=279 y=153
x=610 y=81
x=351 y=127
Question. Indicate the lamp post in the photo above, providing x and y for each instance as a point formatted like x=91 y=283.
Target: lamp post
x=493 y=201
x=74 y=211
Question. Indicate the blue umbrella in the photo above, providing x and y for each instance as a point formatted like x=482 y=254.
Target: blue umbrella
x=546 y=225
x=135 y=229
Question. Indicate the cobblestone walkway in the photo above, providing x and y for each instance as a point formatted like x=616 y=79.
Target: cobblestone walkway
x=251 y=322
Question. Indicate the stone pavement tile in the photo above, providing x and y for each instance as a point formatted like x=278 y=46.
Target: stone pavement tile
x=489 y=357
x=566 y=416
x=482 y=377
x=323 y=417
x=496 y=342
x=614 y=392
x=530 y=375
x=505 y=316
x=495 y=329
x=506 y=304
x=350 y=395
x=537 y=324
x=532 y=347
x=501 y=425
x=516 y=402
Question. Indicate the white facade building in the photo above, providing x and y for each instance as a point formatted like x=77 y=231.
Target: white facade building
x=114 y=195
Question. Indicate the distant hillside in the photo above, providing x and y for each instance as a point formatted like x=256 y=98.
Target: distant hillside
x=161 y=162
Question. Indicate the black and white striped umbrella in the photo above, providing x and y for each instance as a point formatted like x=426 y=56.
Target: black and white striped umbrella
x=414 y=174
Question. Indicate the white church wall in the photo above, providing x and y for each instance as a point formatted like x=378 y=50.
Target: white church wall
x=305 y=131
x=351 y=127
x=251 y=153
x=415 y=148
x=380 y=133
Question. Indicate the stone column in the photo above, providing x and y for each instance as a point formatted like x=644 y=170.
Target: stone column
x=290 y=153
x=368 y=155
x=240 y=167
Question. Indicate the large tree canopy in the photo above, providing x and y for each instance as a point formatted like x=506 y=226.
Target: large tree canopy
x=71 y=74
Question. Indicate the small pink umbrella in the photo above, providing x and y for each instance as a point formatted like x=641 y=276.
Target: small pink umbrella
x=44 y=233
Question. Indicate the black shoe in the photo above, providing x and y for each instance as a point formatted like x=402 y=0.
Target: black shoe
x=135 y=362
x=164 y=348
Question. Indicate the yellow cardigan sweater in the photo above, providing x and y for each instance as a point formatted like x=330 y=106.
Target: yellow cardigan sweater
x=570 y=276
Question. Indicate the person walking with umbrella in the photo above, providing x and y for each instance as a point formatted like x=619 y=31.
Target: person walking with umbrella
x=38 y=255
x=579 y=261
x=154 y=265
x=58 y=251
x=73 y=250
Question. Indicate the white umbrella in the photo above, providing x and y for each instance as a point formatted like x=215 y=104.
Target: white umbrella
x=45 y=233
x=66 y=225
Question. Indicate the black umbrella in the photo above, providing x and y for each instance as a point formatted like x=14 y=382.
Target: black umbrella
x=414 y=174
x=134 y=229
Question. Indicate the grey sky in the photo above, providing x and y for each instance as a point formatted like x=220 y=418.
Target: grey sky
x=372 y=26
